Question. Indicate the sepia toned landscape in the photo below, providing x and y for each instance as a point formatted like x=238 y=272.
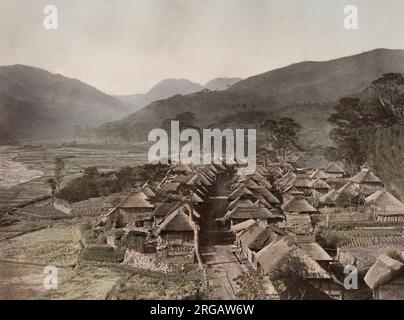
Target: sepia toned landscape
x=85 y=214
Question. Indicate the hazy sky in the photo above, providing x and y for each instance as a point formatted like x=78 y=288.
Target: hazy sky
x=127 y=46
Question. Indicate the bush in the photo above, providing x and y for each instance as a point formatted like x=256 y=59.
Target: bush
x=103 y=253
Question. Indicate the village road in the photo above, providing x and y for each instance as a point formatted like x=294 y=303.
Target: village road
x=216 y=245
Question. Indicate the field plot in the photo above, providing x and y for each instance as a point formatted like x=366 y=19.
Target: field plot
x=20 y=281
x=157 y=285
x=37 y=165
x=87 y=282
x=58 y=245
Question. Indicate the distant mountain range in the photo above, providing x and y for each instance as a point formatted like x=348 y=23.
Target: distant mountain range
x=305 y=91
x=36 y=104
x=171 y=87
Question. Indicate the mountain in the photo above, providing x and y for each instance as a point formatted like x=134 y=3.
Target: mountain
x=305 y=91
x=171 y=87
x=219 y=84
x=36 y=104
x=325 y=81
x=162 y=90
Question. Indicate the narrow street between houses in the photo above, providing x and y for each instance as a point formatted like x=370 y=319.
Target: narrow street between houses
x=217 y=242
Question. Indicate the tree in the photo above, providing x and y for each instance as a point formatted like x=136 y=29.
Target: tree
x=186 y=121
x=388 y=91
x=283 y=135
x=348 y=119
x=355 y=120
x=56 y=181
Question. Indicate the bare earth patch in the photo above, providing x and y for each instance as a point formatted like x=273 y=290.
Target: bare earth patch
x=58 y=246
x=14 y=173
x=20 y=281
x=88 y=282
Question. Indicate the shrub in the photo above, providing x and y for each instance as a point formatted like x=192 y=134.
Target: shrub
x=103 y=253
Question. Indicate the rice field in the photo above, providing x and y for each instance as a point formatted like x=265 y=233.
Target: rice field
x=36 y=165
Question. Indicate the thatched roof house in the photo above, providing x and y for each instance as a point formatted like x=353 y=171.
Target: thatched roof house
x=320 y=185
x=367 y=177
x=298 y=205
x=319 y=174
x=241 y=190
x=269 y=197
x=242 y=225
x=260 y=212
x=329 y=199
x=335 y=170
x=136 y=209
x=316 y=252
x=176 y=227
x=384 y=203
x=241 y=202
x=181 y=168
x=281 y=256
x=384 y=270
x=163 y=210
x=136 y=200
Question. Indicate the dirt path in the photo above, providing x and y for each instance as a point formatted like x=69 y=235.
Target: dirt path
x=216 y=245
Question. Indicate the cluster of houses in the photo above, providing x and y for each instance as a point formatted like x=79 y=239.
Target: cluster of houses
x=270 y=213
x=162 y=213
x=281 y=200
x=272 y=229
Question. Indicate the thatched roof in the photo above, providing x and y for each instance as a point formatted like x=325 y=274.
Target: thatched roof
x=170 y=186
x=242 y=225
x=180 y=168
x=240 y=202
x=250 y=234
x=205 y=173
x=261 y=170
x=255 y=212
x=264 y=238
x=366 y=176
x=299 y=205
x=349 y=189
x=241 y=190
x=165 y=208
x=220 y=167
x=319 y=174
x=329 y=198
x=256 y=237
x=281 y=256
x=334 y=167
x=250 y=183
x=209 y=173
x=149 y=191
x=190 y=178
x=136 y=200
x=315 y=251
x=176 y=221
x=268 y=195
x=384 y=270
x=204 y=179
x=286 y=178
x=384 y=201
x=320 y=184
x=300 y=182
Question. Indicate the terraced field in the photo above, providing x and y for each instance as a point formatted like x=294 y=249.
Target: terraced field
x=41 y=159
